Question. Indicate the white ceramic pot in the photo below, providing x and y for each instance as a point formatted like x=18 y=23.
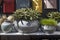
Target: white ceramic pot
x=27 y=27
x=48 y=29
x=6 y=27
x=58 y=26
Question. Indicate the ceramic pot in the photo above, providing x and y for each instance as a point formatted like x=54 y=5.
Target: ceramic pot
x=27 y=26
x=6 y=27
x=58 y=26
x=48 y=29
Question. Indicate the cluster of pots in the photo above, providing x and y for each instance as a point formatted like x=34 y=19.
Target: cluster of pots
x=21 y=26
x=26 y=26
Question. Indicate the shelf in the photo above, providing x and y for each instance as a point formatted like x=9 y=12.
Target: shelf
x=37 y=33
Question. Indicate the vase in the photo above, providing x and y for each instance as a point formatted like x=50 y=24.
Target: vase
x=27 y=26
x=48 y=29
x=58 y=27
x=6 y=27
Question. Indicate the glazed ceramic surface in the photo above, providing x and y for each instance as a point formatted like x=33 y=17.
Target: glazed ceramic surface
x=27 y=26
x=48 y=28
x=6 y=27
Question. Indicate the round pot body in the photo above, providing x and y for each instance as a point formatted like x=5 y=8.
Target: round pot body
x=58 y=27
x=27 y=26
x=48 y=29
x=6 y=27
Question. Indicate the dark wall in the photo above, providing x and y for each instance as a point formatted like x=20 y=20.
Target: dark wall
x=59 y=5
x=1 y=7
